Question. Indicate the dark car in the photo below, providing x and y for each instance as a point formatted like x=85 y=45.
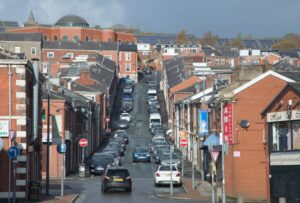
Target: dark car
x=126 y=106
x=123 y=135
x=127 y=97
x=116 y=178
x=99 y=163
x=152 y=109
x=117 y=145
x=147 y=70
x=141 y=154
x=113 y=148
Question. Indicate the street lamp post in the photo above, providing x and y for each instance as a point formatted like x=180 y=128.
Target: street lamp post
x=48 y=133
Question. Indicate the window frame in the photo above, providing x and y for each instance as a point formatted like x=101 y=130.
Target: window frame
x=31 y=51
x=126 y=67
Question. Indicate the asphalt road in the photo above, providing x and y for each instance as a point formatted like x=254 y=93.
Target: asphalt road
x=143 y=189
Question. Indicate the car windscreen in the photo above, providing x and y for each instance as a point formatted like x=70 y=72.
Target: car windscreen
x=118 y=172
x=101 y=159
x=155 y=120
x=141 y=150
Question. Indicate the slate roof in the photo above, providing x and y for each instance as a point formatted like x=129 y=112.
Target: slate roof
x=163 y=39
x=174 y=72
x=128 y=47
x=71 y=45
x=290 y=53
x=262 y=44
x=10 y=36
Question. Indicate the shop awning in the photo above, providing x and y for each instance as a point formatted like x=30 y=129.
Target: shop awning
x=211 y=141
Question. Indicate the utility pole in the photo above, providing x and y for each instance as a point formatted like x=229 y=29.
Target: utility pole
x=48 y=134
x=223 y=154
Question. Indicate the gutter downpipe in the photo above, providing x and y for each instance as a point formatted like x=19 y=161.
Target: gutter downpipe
x=10 y=115
x=35 y=113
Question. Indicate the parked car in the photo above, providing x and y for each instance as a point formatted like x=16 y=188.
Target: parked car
x=120 y=142
x=127 y=97
x=163 y=174
x=156 y=147
x=159 y=154
x=122 y=135
x=116 y=146
x=116 y=156
x=141 y=154
x=155 y=143
x=166 y=160
x=99 y=163
x=116 y=177
x=125 y=116
x=122 y=124
x=126 y=106
x=152 y=109
x=147 y=70
x=128 y=89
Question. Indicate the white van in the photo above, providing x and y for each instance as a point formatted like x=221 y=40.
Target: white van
x=154 y=119
x=152 y=94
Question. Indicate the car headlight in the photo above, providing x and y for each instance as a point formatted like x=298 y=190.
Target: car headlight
x=163 y=163
x=147 y=155
x=135 y=155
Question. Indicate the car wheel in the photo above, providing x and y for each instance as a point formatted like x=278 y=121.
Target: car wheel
x=129 y=190
x=156 y=184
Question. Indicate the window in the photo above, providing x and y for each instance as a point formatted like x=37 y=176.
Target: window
x=50 y=54
x=145 y=53
x=207 y=60
x=45 y=68
x=65 y=38
x=194 y=51
x=286 y=136
x=87 y=38
x=69 y=54
x=108 y=56
x=45 y=37
x=217 y=61
x=127 y=67
x=95 y=39
x=120 y=56
x=222 y=61
x=33 y=51
x=75 y=38
x=17 y=50
x=55 y=38
x=127 y=56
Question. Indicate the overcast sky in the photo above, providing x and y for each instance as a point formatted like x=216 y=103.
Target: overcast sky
x=226 y=18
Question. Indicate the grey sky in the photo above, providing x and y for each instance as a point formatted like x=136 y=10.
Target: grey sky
x=226 y=18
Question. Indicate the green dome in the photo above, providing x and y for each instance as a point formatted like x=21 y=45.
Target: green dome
x=72 y=21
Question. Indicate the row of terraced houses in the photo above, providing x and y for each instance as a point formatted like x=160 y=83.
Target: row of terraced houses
x=76 y=68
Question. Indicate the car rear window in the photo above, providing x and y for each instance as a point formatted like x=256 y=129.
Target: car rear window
x=118 y=172
x=167 y=168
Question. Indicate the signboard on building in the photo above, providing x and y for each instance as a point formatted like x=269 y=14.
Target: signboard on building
x=202 y=122
x=283 y=116
x=227 y=123
x=285 y=159
x=4 y=128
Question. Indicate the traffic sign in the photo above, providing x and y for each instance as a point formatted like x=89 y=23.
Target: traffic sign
x=13 y=152
x=107 y=120
x=61 y=148
x=183 y=142
x=83 y=142
x=214 y=155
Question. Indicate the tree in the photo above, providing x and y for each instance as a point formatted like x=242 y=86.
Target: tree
x=237 y=41
x=290 y=41
x=181 y=37
x=209 y=39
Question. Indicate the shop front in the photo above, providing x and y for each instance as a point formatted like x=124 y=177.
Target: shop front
x=284 y=148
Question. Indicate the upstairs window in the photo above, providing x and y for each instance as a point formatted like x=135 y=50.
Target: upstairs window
x=127 y=56
x=33 y=51
x=50 y=55
x=127 y=67
x=65 y=38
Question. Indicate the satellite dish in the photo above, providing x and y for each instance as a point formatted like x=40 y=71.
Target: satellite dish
x=245 y=123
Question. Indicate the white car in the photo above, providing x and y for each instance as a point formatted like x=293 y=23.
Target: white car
x=162 y=175
x=125 y=116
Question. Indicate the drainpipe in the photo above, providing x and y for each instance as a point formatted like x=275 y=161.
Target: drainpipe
x=35 y=113
x=10 y=114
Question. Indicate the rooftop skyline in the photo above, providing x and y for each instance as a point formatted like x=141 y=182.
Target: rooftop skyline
x=268 y=18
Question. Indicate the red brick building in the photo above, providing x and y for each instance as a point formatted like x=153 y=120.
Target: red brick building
x=74 y=28
x=20 y=123
x=246 y=165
